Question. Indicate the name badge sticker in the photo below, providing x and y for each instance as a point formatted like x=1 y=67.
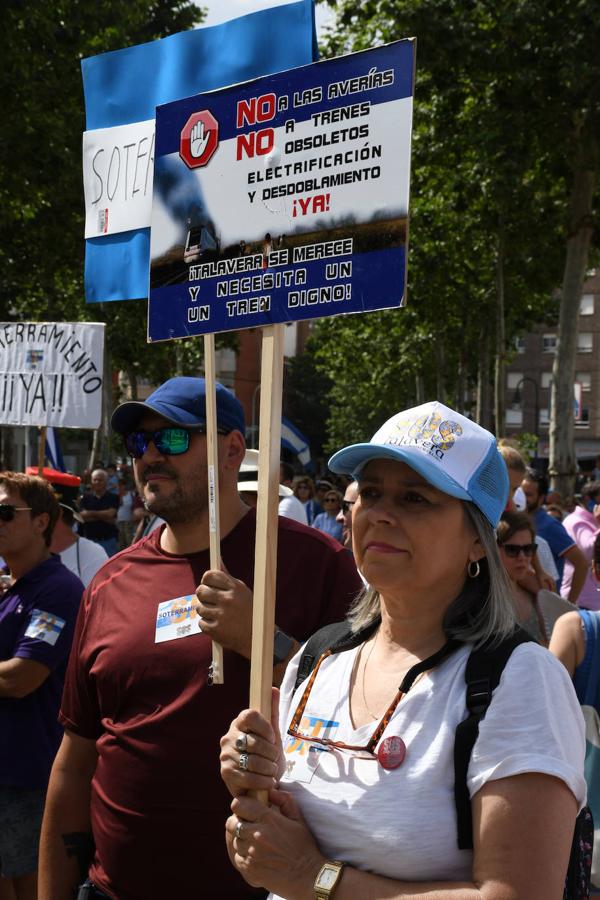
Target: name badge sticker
x=44 y=626
x=177 y=619
x=302 y=757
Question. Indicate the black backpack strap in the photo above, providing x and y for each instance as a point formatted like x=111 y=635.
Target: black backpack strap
x=482 y=675
x=338 y=636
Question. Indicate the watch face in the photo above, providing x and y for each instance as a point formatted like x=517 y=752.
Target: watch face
x=328 y=878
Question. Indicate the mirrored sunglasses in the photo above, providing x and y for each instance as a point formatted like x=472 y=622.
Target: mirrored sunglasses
x=513 y=550
x=169 y=441
x=7 y=511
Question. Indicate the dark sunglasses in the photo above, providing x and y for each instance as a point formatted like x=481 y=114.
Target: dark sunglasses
x=7 y=511
x=330 y=500
x=513 y=550
x=347 y=505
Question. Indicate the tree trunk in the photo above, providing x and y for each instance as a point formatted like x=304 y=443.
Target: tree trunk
x=108 y=406
x=483 y=413
x=440 y=360
x=499 y=367
x=133 y=383
x=94 y=452
x=461 y=385
x=178 y=358
x=420 y=389
x=7 y=449
x=563 y=463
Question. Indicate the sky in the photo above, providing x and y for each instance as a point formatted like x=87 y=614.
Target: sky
x=216 y=10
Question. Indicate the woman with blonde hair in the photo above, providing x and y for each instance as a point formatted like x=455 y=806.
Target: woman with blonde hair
x=359 y=763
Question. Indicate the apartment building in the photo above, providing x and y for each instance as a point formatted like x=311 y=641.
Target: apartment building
x=529 y=378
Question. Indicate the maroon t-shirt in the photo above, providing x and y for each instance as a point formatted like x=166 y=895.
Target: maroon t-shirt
x=158 y=804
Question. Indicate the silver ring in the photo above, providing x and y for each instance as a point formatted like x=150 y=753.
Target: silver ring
x=238 y=830
x=241 y=743
x=243 y=763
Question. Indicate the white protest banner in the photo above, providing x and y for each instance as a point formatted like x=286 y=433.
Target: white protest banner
x=51 y=373
x=117 y=178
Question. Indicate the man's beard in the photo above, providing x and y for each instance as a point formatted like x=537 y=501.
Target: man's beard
x=181 y=504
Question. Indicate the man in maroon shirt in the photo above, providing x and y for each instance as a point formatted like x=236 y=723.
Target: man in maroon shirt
x=139 y=766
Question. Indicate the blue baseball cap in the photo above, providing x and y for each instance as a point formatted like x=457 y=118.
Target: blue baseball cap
x=451 y=452
x=181 y=401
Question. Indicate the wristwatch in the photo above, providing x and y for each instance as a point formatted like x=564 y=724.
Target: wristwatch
x=282 y=644
x=328 y=879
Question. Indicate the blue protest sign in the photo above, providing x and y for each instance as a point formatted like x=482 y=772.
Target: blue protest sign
x=122 y=90
x=284 y=198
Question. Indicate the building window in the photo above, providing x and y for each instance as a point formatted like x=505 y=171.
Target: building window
x=520 y=344
x=513 y=379
x=585 y=342
x=585 y=380
x=586 y=305
x=584 y=421
x=544 y=418
x=514 y=417
x=546 y=379
x=549 y=343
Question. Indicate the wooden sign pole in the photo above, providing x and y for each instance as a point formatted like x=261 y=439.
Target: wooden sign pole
x=41 y=449
x=265 y=556
x=216 y=669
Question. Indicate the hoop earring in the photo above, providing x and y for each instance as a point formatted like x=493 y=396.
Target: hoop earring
x=473 y=572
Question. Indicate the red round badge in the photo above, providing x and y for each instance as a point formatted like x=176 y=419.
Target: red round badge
x=391 y=753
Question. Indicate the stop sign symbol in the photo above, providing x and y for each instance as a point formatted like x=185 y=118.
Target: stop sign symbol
x=199 y=139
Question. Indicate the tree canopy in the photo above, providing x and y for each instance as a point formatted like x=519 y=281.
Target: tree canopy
x=41 y=195
x=501 y=91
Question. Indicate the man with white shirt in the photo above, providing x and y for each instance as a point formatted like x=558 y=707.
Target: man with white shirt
x=82 y=556
x=290 y=506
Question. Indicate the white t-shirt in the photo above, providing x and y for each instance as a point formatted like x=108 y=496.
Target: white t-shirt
x=545 y=557
x=87 y=561
x=401 y=823
x=292 y=508
x=125 y=510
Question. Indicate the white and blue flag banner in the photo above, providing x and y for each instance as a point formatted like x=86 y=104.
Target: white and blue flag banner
x=54 y=451
x=293 y=439
x=284 y=198
x=122 y=90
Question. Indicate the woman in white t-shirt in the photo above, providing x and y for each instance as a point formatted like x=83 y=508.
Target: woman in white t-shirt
x=362 y=786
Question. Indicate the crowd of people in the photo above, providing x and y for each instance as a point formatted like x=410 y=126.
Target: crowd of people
x=425 y=561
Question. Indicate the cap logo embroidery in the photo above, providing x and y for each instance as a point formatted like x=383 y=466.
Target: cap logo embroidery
x=428 y=432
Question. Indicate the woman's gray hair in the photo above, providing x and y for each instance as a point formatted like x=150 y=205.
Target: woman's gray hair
x=483 y=610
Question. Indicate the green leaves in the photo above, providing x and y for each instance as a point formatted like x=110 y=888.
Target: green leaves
x=501 y=91
x=41 y=194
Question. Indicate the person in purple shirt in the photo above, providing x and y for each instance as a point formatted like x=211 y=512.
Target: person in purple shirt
x=564 y=548
x=37 y=620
